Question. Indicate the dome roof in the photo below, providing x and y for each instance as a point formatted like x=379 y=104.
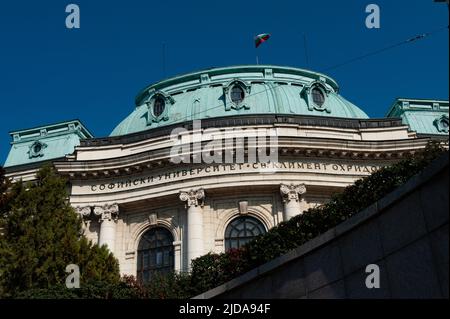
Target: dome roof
x=252 y=89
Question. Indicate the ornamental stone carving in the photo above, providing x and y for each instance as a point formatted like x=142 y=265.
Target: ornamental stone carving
x=36 y=149
x=107 y=212
x=193 y=197
x=241 y=86
x=83 y=211
x=442 y=124
x=153 y=219
x=243 y=207
x=158 y=101
x=291 y=192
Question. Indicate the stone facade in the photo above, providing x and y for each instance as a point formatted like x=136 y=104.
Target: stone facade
x=122 y=191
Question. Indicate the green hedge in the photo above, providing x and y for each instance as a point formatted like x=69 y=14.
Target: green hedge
x=169 y=286
x=212 y=270
x=126 y=289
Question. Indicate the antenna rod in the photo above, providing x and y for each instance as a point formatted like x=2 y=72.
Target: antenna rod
x=164 y=59
x=306 y=50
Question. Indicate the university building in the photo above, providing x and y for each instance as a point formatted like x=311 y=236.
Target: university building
x=156 y=210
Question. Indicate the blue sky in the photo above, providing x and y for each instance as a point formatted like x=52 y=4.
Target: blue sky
x=49 y=73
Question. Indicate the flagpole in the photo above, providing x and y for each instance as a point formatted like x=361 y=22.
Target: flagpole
x=164 y=59
x=256 y=52
x=306 y=50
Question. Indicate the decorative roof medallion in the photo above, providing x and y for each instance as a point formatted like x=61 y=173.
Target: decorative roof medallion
x=442 y=123
x=316 y=95
x=36 y=149
x=158 y=107
x=235 y=94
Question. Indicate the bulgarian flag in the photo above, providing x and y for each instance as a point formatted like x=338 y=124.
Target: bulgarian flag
x=260 y=38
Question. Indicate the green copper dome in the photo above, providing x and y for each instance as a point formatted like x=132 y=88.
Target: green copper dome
x=252 y=89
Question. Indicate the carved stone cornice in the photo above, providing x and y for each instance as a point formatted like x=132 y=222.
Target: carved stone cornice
x=128 y=159
x=260 y=119
x=292 y=191
x=193 y=197
x=107 y=212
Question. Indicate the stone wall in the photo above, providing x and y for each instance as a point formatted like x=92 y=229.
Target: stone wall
x=406 y=234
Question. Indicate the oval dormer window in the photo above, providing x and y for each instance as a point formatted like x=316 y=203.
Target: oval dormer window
x=37 y=148
x=158 y=106
x=318 y=97
x=237 y=94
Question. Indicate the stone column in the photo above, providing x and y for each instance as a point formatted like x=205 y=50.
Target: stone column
x=194 y=205
x=108 y=217
x=291 y=199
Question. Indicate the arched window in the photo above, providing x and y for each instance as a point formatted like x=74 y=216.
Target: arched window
x=158 y=106
x=318 y=96
x=242 y=230
x=155 y=253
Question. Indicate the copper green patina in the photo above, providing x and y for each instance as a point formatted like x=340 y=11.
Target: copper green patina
x=44 y=143
x=426 y=117
x=239 y=90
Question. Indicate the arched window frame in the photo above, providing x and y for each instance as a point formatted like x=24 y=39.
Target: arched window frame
x=171 y=267
x=227 y=238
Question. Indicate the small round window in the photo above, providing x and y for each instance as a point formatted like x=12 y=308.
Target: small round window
x=444 y=123
x=318 y=97
x=37 y=148
x=237 y=94
x=158 y=106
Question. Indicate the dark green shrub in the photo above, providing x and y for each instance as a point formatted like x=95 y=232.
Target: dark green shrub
x=126 y=288
x=170 y=286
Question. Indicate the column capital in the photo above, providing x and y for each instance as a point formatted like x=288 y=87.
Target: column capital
x=193 y=197
x=291 y=192
x=107 y=212
x=83 y=211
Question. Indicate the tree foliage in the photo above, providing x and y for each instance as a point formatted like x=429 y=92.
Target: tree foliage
x=41 y=234
x=4 y=194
